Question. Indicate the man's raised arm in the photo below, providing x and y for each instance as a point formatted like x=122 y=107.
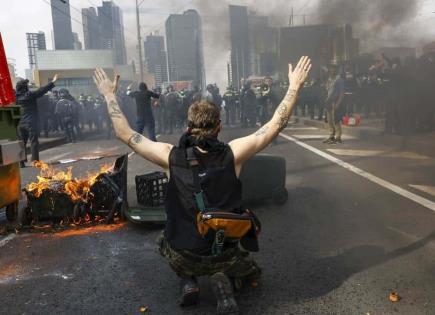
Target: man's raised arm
x=245 y=148
x=155 y=152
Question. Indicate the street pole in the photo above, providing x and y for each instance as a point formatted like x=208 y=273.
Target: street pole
x=139 y=42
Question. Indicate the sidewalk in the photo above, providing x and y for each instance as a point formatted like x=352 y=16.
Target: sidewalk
x=54 y=141
x=373 y=130
x=48 y=143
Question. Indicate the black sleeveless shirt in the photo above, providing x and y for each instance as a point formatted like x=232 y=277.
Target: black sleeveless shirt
x=222 y=190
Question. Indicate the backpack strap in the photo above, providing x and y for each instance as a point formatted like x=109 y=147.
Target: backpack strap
x=194 y=166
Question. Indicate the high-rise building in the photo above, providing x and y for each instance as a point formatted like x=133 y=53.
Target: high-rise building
x=112 y=30
x=185 y=48
x=263 y=46
x=77 y=43
x=91 y=29
x=239 y=35
x=324 y=43
x=62 y=30
x=35 y=42
x=155 y=58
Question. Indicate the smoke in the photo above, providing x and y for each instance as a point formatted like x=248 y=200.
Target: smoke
x=216 y=31
x=376 y=22
x=360 y=12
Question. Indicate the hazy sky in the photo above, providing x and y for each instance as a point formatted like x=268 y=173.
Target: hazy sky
x=23 y=16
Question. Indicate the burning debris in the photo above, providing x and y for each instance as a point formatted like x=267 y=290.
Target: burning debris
x=63 y=182
x=59 y=197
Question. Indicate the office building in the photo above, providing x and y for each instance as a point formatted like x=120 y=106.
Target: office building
x=76 y=69
x=77 y=43
x=155 y=58
x=185 y=48
x=62 y=30
x=239 y=37
x=35 y=42
x=91 y=29
x=112 y=30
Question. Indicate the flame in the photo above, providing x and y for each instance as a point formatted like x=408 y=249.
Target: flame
x=89 y=230
x=76 y=188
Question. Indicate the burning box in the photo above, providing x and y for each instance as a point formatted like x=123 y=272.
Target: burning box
x=59 y=197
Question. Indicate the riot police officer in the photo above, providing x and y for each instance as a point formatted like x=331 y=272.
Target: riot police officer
x=67 y=111
x=230 y=98
x=249 y=105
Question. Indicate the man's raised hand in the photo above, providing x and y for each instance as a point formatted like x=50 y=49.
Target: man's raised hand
x=298 y=76
x=104 y=84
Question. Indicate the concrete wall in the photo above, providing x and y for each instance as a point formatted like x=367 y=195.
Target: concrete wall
x=74 y=59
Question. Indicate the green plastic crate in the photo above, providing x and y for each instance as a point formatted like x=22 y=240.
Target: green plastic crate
x=9 y=119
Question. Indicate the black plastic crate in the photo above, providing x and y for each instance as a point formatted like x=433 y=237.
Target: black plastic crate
x=151 y=189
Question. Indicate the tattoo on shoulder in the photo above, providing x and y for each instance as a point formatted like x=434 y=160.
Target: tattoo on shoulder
x=135 y=139
x=262 y=131
x=114 y=110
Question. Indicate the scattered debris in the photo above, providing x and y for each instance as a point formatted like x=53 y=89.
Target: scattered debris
x=394 y=297
x=143 y=309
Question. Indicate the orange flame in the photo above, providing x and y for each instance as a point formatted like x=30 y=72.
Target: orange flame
x=76 y=188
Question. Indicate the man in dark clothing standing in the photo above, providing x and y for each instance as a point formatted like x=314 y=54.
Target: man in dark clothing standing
x=145 y=117
x=29 y=123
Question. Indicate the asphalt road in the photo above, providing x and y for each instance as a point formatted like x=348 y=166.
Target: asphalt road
x=353 y=230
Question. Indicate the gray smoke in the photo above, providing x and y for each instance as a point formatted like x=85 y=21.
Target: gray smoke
x=215 y=21
x=366 y=12
x=376 y=22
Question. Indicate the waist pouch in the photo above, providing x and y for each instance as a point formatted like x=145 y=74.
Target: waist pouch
x=233 y=225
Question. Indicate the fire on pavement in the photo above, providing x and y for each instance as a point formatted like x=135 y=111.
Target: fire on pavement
x=59 y=197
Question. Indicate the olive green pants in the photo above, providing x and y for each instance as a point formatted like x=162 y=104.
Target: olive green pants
x=233 y=262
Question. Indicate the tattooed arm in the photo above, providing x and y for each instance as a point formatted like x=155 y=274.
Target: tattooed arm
x=155 y=152
x=245 y=148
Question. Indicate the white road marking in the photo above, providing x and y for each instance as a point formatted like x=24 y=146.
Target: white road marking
x=301 y=128
x=390 y=186
x=316 y=137
x=405 y=155
x=355 y=152
x=7 y=239
x=427 y=189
